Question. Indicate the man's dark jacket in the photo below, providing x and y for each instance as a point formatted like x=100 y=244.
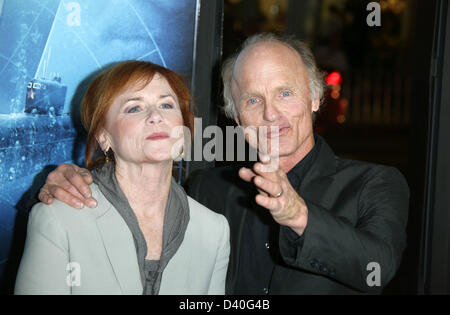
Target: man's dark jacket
x=357 y=215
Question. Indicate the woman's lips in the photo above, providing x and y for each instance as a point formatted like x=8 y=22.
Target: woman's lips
x=158 y=136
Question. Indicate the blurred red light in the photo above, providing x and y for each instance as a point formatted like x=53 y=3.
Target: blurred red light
x=334 y=78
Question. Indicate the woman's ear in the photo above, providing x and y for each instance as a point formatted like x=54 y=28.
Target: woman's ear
x=103 y=140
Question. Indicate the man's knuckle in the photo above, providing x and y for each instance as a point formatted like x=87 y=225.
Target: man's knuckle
x=83 y=172
x=41 y=196
x=52 y=176
x=56 y=191
x=62 y=167
x=71 y=175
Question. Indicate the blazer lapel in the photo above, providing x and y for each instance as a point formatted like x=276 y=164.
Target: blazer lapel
x=121 y=251
x=236 y=219
x=318 y=179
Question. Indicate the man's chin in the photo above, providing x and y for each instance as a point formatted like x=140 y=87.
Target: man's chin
x=280 y=152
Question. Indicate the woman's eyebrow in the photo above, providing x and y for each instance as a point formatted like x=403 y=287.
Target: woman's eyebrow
x=138 y=98
x=166 y=95
x=141 y=99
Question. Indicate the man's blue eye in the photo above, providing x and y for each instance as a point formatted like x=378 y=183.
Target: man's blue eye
x=133 y=109
x=286 y=93
x=166 y=106
x=253 y=101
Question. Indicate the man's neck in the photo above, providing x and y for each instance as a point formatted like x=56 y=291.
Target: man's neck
x=288 y=162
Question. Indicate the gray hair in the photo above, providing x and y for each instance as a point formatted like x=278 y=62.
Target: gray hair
x=316 y=85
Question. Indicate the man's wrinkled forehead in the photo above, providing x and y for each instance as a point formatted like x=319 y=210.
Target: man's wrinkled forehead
x=263 y=54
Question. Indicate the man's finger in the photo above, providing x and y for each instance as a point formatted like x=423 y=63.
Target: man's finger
x=45 y=197
x=263 y=157
x=264 y=171
x=86 y=176
x=271 y=163
x=66 y=197
x=77 y=180
x=269 y=203
x=246 y=174
x=69 y=188
x=268 y=186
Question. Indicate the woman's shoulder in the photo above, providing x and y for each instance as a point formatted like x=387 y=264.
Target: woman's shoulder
x=65 y=214
x=206 y=226
x=200 y=212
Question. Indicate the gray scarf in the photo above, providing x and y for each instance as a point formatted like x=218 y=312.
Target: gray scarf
x=176 y=219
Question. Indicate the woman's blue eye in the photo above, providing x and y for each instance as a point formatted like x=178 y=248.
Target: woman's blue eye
x=286 y=93
x=133 y=109
x=166 y=106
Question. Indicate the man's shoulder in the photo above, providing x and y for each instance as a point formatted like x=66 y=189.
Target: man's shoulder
x=214 y=186
x=224 y=176
x=366 y=170
x=221 y=172
x=344 y=169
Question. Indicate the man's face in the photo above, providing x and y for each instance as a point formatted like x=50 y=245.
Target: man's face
x=270 y=87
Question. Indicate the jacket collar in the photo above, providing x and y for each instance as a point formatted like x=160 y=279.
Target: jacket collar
x=119 y=245
x=320 y=175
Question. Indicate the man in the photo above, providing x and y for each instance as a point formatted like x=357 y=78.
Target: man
x=317 y=224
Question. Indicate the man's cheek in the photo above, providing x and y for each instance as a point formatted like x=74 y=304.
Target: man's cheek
x=251 y=136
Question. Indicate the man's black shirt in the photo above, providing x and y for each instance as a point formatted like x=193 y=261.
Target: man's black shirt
x=260 y=236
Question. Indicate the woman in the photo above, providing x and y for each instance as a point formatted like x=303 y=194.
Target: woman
x=146 y=236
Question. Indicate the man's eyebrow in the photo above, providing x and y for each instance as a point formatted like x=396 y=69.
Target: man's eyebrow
x=285 y=87
x=247 y=95
x=277 y=89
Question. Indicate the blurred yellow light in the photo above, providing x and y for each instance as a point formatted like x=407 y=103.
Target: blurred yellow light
x=335 y=94
x=340 y=119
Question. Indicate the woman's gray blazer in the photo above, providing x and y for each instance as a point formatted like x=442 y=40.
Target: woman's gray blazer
x=92 y=251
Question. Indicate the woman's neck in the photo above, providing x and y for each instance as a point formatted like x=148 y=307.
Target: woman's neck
x=146 y=186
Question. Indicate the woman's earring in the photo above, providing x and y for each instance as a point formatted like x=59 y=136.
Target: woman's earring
x=106 y=156
x=180 y=156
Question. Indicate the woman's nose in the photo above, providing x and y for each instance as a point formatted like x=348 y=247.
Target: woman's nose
x=154 y=116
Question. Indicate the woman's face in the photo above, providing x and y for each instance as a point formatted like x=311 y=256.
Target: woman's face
x=140 y=124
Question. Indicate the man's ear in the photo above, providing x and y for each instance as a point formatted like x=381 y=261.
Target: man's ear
x=103 y=140
x=315 y=104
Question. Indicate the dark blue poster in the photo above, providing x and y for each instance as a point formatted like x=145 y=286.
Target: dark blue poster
x=49 y=51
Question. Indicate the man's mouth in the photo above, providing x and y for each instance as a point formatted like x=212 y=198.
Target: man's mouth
x=277 y=131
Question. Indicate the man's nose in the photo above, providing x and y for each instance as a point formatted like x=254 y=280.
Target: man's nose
x=270 y=111
x=154 y=116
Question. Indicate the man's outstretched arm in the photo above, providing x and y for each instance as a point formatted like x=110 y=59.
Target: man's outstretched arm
x=69 y=184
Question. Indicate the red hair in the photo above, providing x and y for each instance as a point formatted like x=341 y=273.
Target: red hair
x=109 y=84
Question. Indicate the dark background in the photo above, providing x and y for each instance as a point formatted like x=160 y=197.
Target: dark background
x=391 y=107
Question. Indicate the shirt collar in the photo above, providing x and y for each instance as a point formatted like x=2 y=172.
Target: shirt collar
x=298 y=172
